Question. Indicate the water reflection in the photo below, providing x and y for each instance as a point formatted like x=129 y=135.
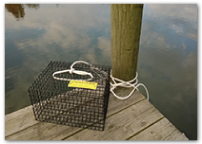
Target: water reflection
x=18 y=9
x=69 y=34
x=167 y=62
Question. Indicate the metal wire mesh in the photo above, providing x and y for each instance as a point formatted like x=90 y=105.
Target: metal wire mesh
x=53 y=101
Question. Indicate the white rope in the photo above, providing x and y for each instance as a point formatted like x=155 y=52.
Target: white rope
x=116 y=82
x=131 y=83
x=72 y=70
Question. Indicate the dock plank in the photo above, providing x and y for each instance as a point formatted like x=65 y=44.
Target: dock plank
x=176 y=135
x=159 y=131
x=43 y=131
x=38 y=131
x=131 y=119
x=124 y=124
x=19 y=120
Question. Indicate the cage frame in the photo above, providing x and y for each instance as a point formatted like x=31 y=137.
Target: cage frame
x=54 y=102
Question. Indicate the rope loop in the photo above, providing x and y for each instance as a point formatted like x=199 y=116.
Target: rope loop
x=71 y=71
x=78 y=72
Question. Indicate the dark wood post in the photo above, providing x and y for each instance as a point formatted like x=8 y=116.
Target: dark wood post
x=126 y=20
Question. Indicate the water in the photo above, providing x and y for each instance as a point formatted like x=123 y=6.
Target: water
x=167 y=63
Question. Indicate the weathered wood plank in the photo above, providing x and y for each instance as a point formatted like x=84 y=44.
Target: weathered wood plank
x=43 y=131
x=116 y=105
x=19 y=120
x=124 y=124
x=159 y=131
x=128 y=119
x=39 y=129
x=176 y=135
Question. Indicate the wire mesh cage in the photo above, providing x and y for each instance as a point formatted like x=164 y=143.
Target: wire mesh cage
x=55 y=102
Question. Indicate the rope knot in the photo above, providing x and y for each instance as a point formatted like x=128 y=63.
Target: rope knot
x=71 y=70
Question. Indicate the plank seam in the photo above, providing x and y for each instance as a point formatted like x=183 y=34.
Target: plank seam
x=73 y=133
x=170 y=134
x=145 y=128
x=125 y=108
x=23 y=129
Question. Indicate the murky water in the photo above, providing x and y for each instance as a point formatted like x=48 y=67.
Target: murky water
x=167 y=63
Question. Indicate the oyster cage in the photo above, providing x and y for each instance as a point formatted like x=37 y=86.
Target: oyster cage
x=54 y=102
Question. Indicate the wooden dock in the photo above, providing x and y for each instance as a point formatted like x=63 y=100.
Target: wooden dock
x=131 y=119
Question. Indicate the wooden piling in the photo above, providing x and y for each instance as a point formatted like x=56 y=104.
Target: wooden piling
x=126 y=20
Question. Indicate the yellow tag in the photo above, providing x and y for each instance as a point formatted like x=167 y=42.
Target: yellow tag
x=82 y=84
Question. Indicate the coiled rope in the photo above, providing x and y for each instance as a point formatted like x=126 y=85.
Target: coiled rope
x=127 y=84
